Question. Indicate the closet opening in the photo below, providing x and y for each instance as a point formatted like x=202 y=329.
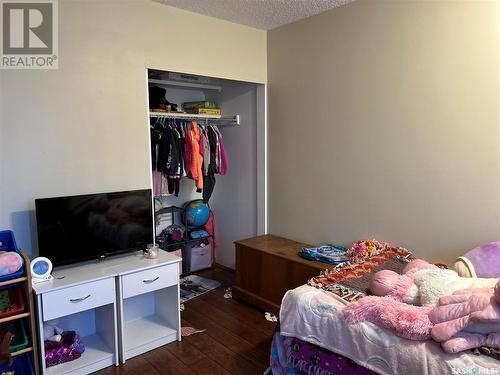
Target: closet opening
x=208 y=165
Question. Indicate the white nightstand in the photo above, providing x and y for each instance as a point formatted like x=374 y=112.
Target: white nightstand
x=121 y=307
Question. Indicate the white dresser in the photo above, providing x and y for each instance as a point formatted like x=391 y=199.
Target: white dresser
x=121 y=307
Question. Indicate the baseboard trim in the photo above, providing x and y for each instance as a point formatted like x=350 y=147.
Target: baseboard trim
x=226 y=268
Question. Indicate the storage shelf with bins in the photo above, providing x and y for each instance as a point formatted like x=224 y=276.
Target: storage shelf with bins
x=24 y=319
x=23 y=346
x=186 y=244
x=166 y=245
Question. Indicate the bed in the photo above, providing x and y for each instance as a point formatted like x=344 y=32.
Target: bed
x=314 y=339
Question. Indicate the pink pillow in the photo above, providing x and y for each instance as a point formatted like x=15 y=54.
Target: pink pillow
x=10 y=262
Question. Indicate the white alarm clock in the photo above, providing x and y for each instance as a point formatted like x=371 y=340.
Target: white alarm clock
x=41 y=269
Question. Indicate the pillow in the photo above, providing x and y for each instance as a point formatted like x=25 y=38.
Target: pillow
x=482 y=261
x=10 y=262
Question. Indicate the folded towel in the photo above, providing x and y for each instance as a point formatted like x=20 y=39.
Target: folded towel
x=329 y=253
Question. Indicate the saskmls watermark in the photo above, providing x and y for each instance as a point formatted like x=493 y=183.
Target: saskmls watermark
x=29 y=37
x=474 y=371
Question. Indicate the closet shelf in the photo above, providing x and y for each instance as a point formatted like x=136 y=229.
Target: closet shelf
x=183 y=242
x=169 y=210
x=167 y=82
x=223 y=120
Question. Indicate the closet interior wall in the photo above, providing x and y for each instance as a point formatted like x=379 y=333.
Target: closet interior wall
x=235 y=200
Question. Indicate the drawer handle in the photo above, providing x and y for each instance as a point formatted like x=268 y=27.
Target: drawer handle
x=150 y=280
x=76 y=300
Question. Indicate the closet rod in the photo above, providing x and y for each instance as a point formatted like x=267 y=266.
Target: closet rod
x=224 y=120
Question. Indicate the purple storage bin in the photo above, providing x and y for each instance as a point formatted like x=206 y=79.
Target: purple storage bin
x=198 y=257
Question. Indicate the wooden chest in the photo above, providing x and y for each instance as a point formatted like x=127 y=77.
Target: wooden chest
x=267 y=266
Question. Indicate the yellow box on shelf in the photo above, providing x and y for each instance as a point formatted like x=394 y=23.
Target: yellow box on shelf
x=209 y=111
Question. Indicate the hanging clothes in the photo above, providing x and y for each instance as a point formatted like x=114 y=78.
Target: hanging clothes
x=162 y=159
x=209 y=179
x=211 y=229
x=155 y=141
x=168 y=157
x=164 y=186
x=186 y=149
x=194 y=160
x=206 y=152
x=157 y=184
x=158 y=157
x=175 y=162
x=222 y=164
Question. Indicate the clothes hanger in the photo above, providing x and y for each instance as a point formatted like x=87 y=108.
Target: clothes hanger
x=156 y=123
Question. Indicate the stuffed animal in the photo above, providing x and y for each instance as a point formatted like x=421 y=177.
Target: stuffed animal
x=423 y=283
x=406 y=321
x=468 y=319
x=52 y=333
x=482 y=261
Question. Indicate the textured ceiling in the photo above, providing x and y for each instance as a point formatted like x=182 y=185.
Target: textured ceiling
x=261 y=14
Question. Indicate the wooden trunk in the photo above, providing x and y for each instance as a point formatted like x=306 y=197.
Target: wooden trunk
x=267 y=266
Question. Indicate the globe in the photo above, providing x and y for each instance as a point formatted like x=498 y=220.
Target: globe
x=196 y=213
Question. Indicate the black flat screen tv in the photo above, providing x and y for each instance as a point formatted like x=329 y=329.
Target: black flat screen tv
x=83 y=227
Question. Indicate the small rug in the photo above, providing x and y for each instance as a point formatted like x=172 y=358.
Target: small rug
x=188 y=331
x=194 y=286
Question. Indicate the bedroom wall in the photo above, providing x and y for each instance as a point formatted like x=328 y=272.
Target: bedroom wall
x=384 y=122
x=83 y=128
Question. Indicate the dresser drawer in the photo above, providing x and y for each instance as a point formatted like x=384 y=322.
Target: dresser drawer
x=78 y=298
x=150 y=280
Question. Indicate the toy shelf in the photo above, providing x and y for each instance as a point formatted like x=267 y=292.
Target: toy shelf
x=15 y=317
x=22 y=351
x=27 y=316
x=15 y=281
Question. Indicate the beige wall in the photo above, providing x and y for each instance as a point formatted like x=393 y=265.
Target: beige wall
x=384 y=122
x=83 y=128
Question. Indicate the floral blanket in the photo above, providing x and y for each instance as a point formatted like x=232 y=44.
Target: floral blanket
x=351 y=280
x=291 y=356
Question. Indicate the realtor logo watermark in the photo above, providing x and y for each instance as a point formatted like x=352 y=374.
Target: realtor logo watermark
x=29 y=34
x=474 y=371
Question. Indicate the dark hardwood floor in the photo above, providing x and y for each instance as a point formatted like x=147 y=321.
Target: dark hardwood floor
x=236 y=341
